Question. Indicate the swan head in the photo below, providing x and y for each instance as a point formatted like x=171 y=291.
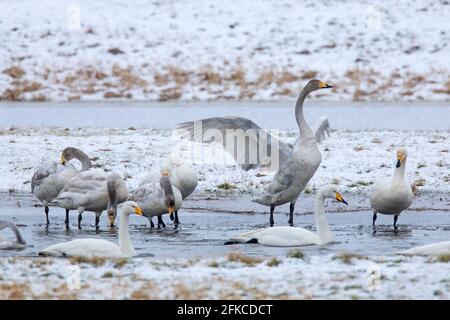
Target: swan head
x=131 y=207
x=401 y=157
x=315 y=84
x=331 y=192
x=69 y=154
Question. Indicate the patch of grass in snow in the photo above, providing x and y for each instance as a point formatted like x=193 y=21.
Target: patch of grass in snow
x=296 y=254
x=120 y=263
x=347 y=257
x=242 y=258
x=420 y=182
x=107 y=275
x=444 y=258
x=226 y=186
x=93 y=261
x=273 y=262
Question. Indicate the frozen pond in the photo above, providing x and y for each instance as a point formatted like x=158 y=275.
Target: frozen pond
x=154 y=115
x=203 y=231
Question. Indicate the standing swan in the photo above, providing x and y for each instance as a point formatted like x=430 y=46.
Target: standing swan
x=93 y=190
x=293 y=236
x=19 y=243
x=158 y=198
x=98 y=248
x=300 y=164
x=51 y=176
x=392 y=195
x=181 y=175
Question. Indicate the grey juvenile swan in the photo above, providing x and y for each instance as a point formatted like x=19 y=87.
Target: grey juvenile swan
x=6 y=244
x=157 y=198
x=392 y=195
x=299 y=165
x=181 y=176
x=93 y=190
x=51 y=176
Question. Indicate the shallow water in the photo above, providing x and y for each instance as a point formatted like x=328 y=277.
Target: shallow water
x=269 y=115
x=203 y=232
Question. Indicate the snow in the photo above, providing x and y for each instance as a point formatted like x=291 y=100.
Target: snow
x=332 y=276
x=351 y=159
x=204 y=50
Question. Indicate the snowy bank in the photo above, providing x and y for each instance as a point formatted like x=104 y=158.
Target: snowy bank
x=236 y=276
x=204 y=50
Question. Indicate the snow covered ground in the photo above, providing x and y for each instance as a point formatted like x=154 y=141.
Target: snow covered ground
x=337 y=276
x=232 y=49
x=352 y=159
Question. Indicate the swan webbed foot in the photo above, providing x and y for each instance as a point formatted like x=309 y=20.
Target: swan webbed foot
x=46 y=209
x=291 y=214
x=272 y=208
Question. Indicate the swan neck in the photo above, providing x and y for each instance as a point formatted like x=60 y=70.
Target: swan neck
x=322 y=226
x=399 y=173
x=305 y=130
x=84 y=159
x=17 y=233
x=124 y=236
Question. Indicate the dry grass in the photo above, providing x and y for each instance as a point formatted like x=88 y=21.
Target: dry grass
x=444 y=258
x=14 y=72
x=92 y=261
x=347 y=257
x=242 y=258
x=226 y=186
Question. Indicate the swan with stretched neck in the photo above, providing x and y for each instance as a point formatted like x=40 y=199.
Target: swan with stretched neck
x=392 y=195
x=7 y=244
x=300 y=165
x=286 y=236
x=99 y=248
x=158 y=198
x=51 y=176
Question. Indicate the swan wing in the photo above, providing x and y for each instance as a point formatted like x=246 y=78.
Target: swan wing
x=242 y=128
x=86 y=248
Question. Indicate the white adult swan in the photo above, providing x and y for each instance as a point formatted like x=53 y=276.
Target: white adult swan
x=8 y=244
x=88 y=191
x=181 y=175
x=300 y=164
x=99 y=248
x=51 y=176
x=293 y=236
x=158 y=198
x=392 y=195
x=433 y=249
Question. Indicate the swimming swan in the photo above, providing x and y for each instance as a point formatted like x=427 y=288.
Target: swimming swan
x=99 y=248
x=158 y=198
x=181 y=175
x=94 y=190
x=300 y=164
x=433 y=249
x=7 y=244
x=293 y=236
x=392 y=195
x=51 y=176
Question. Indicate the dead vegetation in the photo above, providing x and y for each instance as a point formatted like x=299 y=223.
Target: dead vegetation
x=242 y=258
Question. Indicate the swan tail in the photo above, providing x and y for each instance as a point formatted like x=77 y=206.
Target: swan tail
x=265 y=201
